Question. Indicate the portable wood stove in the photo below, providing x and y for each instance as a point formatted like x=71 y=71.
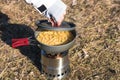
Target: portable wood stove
x=54 y=59
x=55 y=66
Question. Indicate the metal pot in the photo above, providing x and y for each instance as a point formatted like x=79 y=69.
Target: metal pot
x=44 y=25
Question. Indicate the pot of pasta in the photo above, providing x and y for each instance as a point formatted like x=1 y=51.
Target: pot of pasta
x=50 y=39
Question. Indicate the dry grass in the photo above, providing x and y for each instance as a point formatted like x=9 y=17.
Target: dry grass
x=95 y=56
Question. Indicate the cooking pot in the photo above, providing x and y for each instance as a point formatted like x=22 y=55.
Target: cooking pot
x=45 y=25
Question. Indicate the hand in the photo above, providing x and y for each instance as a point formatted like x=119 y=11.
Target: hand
x=57 y=23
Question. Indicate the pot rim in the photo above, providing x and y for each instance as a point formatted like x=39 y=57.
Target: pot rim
x=65 y=26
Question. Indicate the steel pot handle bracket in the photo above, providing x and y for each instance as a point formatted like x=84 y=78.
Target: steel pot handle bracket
x=23 y=42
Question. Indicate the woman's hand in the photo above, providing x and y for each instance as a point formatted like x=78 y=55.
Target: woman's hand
x=56 y=8
x=57 y=23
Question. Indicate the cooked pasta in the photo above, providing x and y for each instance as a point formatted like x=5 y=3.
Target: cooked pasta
x=54 y=37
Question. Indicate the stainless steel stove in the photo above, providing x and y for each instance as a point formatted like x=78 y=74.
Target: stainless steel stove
x=55 y=66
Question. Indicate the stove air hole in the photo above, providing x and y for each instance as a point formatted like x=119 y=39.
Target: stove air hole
x=53 y=75
x=46 y=73
x=62 y=74
x=65 y=72
x=50 y=75
x=58 y=75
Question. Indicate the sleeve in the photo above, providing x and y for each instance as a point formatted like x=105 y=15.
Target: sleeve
x=56 y=8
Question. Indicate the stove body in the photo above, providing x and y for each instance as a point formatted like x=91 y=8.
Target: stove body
x=55 y=66
x=54 y=59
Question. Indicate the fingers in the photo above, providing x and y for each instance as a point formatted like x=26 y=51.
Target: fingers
x=54 y=24
x=61 y=19
x=57 y=23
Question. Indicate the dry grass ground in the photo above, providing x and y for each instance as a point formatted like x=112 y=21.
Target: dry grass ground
x=95 y=55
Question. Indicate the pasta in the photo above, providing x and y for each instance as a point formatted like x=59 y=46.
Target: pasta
x=53 y=38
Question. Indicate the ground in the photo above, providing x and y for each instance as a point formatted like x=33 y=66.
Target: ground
x=95 y=55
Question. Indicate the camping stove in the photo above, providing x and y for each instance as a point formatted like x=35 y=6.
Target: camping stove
x=55 y=66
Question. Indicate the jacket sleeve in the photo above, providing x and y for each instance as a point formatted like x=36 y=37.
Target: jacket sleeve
x=56 y=8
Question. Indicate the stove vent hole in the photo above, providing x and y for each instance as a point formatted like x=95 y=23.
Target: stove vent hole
x=50 y=75
x=58 y=75
x=65 y=72
x=62 y=74
x=53 y=75
x=46 y=73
